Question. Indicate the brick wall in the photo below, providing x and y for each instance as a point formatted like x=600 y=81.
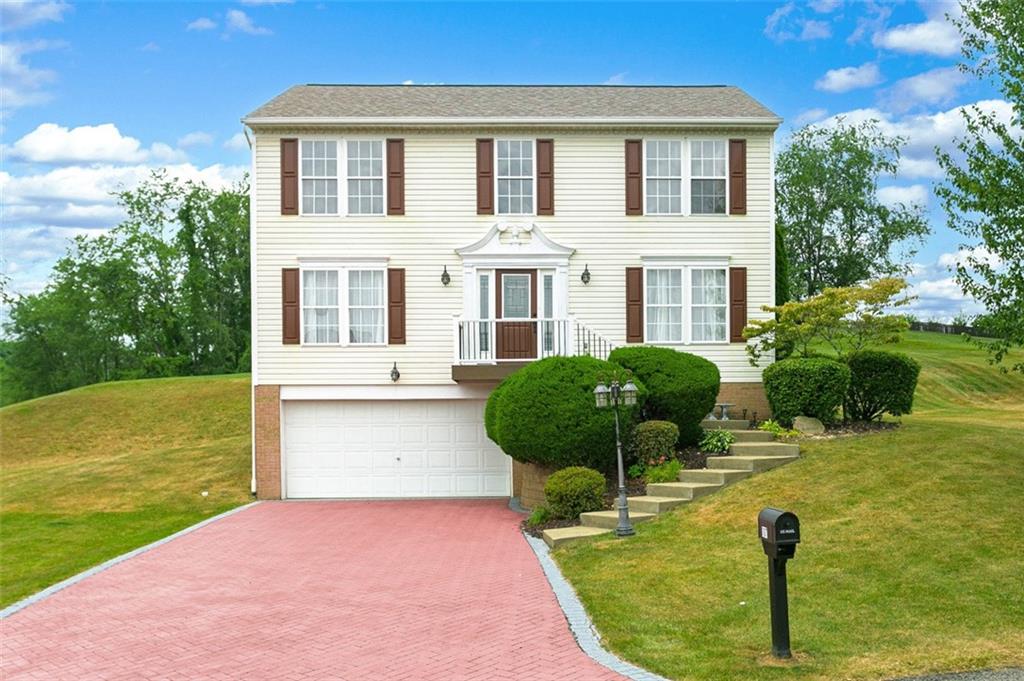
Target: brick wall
x=749 y=396
x=268 y=441
x=528 y=483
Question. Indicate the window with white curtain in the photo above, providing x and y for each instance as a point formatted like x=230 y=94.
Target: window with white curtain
x=707 y=305
x=664 y=164
x=319 y=167
x=320 y=306
x=365 y=163
x=515 y=177
x=707 y=177
x=664 y=298
x=365 y=306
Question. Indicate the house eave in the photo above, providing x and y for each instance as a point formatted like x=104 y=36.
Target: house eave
x=765 y=123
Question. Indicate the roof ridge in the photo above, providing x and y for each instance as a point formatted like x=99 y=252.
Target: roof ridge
x=512 y=85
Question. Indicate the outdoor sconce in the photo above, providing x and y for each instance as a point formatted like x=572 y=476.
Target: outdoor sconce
x=445 y=277
x=585 y=277
x=395 y=374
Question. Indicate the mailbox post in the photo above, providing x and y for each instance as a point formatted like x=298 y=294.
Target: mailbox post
x=780 y=533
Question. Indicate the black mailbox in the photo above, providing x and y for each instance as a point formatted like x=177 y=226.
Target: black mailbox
x=780 y=532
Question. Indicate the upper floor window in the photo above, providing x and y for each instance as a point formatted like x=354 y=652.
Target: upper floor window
x=324 y=314
x=688 y=175
x=366 y=177
x=319 y=177
x=515 y=177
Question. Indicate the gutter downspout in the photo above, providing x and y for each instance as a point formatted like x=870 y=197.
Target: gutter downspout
x=254 y=380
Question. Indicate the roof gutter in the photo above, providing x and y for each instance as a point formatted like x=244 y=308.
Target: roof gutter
x=560 y=121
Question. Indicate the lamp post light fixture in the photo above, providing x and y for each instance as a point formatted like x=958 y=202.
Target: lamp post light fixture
x=613 y=396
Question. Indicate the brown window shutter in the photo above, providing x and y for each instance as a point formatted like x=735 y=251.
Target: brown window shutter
x=545 y=177
x=634 y=305
x=737 y=177
x=396 y=177
x=396 y=306
x=634 y=177
x=289 y=176
x=290 y=306
x=485 y=177
x=737 y=303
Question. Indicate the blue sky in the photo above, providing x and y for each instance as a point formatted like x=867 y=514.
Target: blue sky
x=95 y=94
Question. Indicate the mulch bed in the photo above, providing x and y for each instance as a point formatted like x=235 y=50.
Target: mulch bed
x=693 y=458
x=836 y=430
x=538 y=530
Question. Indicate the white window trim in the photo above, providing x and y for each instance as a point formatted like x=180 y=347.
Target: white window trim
x=532 y=141
x=685 y=190
x=686 y=267
x=342 y=176
x=343 y=307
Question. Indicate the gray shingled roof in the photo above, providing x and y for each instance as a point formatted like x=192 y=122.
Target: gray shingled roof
x=512 y=102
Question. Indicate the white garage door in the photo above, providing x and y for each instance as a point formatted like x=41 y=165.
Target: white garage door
x=398 y=448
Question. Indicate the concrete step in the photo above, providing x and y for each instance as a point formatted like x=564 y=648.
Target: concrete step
x=764 y=449
x=558 y=536
x=654 y=504
x=714 y=476
x=730 y=424
x=609 y=520
x=755 y=464
x=752 y=436
x=682 y=490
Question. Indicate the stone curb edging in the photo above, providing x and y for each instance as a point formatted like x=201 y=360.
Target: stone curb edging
x=579 y=622
x=96 y=569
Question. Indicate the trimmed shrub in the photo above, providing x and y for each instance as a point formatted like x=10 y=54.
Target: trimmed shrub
x=664 y=472
x=653 y=440
x=814 y=386
x=491 y=410
x=545 y=414
x=683 y=387
x=716 y=441
x=574 y=490
x=880 y=382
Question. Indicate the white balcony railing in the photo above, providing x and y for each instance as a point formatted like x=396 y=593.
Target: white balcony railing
x=488 y=341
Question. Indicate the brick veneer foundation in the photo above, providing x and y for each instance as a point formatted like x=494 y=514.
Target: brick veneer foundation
x=528 y=483
x=268 y=441
x=749 y=396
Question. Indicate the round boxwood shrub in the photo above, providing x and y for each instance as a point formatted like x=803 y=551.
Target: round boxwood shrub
x=880 y=382
x=806 y=386
x=491 y=410
x=545 y=414
x=574 y=490
x=683 y=387
x=654 y=440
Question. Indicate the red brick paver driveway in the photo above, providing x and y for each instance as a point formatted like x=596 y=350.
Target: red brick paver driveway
x=312 y=590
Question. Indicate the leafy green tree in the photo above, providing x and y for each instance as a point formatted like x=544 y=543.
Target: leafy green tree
x=781 y=269
x=983 y=195
x=836 y=231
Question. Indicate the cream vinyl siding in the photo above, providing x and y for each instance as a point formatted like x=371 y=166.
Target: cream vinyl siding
x=440 y=216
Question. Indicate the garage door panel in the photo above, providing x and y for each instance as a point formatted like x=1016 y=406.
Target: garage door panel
x=400 y=448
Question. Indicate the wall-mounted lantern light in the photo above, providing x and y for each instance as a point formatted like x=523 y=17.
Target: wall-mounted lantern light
x=395 y=374
x=585 y=277
x=445 y=277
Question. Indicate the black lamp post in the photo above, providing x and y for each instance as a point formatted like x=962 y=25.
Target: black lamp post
x=613 y=396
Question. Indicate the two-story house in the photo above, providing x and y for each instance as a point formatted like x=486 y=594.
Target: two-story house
x=411 y=245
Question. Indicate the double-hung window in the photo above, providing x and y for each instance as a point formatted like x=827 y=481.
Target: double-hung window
x=685 y=177
x=342 y=304
x=686 y=304
x=357 y=166
x=515 y=175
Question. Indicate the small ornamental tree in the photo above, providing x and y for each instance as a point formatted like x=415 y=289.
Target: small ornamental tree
x=844 y=319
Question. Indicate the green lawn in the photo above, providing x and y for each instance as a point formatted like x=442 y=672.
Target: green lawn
x=91 y=473
x=912 y=557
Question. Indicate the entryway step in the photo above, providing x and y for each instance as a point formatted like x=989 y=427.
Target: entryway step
x=681 y=490
x=714 y=476
x=764 y=449
x=558 y=536
x=654 y=504
x=609 y=520
x=752 y=436
x=755 y=464
x=728 y=424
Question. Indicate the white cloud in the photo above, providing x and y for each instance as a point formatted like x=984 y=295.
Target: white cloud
x=939 y=296
x=20 y=84
x=965 y=255
x=55 y=144
x=825 y=6
x=814 y=29
x=201 y=24
x=849 y=78
x=239 y=21
x=15 y=14
x=788 y=23
x=616 y=79
x=196 y=138
x=266 y=2
x=237 y=142
x=936 y=36
x=809 y=116
x=872 y=20
x=938 y=86
x=150 y=47
x=915 y=194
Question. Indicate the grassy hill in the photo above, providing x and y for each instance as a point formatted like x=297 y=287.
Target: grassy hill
x=911 y=558
x=88 y=474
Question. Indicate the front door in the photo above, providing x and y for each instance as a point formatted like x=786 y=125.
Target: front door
x=516 y=312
